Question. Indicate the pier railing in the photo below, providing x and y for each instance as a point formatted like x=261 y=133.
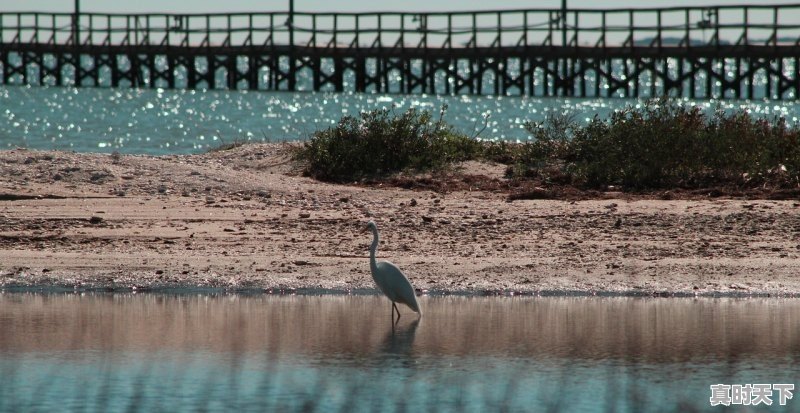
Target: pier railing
x=659 y=27
x=744 y=51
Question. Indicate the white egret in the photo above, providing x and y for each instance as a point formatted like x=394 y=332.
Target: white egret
x=390 y=280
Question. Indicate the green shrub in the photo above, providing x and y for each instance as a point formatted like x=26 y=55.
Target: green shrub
x=661 y=144
x=652 y=147
x=549 y=152
x=664 y=144
x=379 y=143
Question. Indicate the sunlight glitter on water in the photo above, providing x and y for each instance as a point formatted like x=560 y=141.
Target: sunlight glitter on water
x=161 y=121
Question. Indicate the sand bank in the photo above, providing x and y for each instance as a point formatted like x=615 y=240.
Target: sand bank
x=244 y=218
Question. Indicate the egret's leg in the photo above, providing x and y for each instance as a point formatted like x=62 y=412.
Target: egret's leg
x=394 y=308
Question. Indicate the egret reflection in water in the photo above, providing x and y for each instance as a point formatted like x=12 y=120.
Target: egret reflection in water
x=400 y=340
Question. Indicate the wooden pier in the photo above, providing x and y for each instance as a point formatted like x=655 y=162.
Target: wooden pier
x=744 y=52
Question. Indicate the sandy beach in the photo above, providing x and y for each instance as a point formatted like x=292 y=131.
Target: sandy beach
x=247 y=219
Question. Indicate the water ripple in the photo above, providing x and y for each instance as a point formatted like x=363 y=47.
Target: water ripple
x=161 y=121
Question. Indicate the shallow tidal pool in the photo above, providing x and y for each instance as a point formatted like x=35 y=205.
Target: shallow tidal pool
x=340 y=353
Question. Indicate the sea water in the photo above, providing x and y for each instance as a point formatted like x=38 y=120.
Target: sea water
x=165 y=121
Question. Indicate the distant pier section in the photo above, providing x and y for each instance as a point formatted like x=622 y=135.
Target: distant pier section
x=741 y=52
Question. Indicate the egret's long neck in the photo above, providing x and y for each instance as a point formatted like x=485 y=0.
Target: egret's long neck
x=375 y=239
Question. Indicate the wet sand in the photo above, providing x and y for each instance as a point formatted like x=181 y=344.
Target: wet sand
x=246 y=219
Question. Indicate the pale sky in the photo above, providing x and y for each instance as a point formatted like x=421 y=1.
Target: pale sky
x=204 y=6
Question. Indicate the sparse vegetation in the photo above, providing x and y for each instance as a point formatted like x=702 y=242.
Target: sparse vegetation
x=660 y=145
x=666 y=145
x=379 y=143
x=226 y=146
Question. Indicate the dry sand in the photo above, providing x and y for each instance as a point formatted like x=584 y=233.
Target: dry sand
x=244 y=218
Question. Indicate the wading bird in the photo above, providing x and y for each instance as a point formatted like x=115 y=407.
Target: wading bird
x=390 y=280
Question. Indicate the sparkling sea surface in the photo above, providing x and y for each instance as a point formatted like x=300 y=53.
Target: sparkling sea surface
x=164 y=121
